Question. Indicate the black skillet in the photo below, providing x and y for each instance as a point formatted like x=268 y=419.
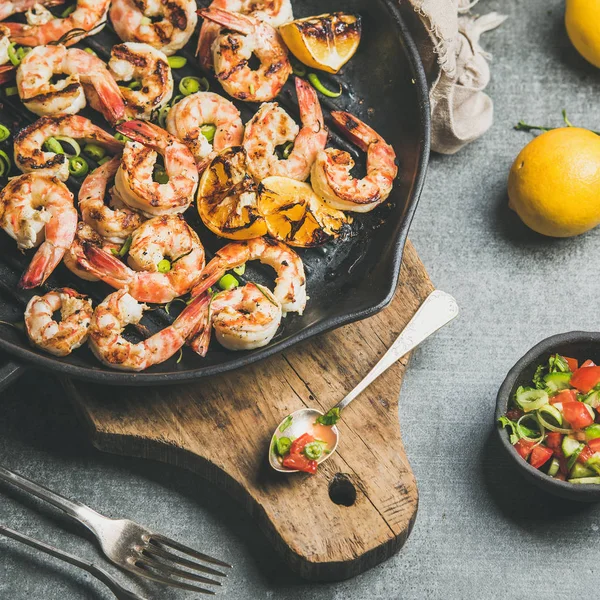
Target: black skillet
x=350 y=279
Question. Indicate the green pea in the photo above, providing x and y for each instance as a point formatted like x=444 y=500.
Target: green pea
x=164 y=266
x=228 y=282
x=177 y=62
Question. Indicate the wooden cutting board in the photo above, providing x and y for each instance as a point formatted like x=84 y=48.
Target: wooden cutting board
x=358 y=510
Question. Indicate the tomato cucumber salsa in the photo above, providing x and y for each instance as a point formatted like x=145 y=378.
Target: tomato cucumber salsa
x=555 y=423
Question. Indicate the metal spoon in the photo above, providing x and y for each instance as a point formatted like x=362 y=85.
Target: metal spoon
x=438 y=309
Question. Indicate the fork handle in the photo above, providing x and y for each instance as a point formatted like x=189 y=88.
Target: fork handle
x=82 y=513
x=100 y=574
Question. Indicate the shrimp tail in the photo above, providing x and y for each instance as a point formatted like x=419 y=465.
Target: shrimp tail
x=142 y=131
x=194 y=316
x=355 y=130
x=103 y=265
x=7 y=73
x=229 y=20
x=211 y=274
x=111 y=101
x=42 y=264
x=308 y=101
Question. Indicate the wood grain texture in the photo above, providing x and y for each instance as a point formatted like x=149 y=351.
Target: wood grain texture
x=220 y=428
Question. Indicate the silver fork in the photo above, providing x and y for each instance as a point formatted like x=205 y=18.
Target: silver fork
x=131 y=546
x=116 y=588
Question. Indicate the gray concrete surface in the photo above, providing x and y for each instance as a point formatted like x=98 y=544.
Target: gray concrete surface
x=481 y=531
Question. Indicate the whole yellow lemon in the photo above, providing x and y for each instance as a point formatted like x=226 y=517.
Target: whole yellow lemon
x=554 y=184
x=582 y=19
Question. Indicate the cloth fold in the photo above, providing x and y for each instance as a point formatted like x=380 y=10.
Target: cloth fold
x=459 y=72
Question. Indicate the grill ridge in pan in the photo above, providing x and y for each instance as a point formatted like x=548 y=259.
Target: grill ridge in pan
x=347 y=280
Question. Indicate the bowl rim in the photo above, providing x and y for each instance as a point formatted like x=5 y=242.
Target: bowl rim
x=503 y=397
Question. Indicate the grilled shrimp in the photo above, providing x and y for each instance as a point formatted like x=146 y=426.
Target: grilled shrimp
x=119 y=310
x=75 y=253
x=65 y=336
x=114 y=222
x=89 y=17
x=134 y=182
x=165 y=256
x=148 y=66
x=165 y=24
x=273 y=12
x=31 y=157
x=11 y=7
x=244 y=318
x=67 y=96
x=186 y=118
x=271 y=126
x=232 y=51
x=37 y=210
x=290 y=284
x=330 y=174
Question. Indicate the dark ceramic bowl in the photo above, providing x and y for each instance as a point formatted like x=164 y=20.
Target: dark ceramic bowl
x=577 y=344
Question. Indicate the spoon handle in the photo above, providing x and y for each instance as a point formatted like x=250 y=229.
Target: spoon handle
x=438 y=309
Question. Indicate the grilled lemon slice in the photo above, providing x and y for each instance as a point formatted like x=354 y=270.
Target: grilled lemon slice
x=296 y=215
x=228 y=196
x=325 y=42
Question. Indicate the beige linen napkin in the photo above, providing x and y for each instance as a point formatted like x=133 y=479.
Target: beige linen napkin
x=458 y=70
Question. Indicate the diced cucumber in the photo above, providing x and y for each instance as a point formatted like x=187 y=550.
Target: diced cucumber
x=585 y=480
x=573 y=458
x=593 y=399
x=557 y=381
x=552 y=414
x=590 y=410
x=569 y=446
x=594 y=462
x=592 y=432
x=529 y=399
x=580 y=470
x=554 y=467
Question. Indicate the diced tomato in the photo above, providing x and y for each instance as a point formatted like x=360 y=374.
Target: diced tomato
x=514 y=414
x=523 y=447
x=572 y=362
x=539 y=456
x=585 y=455
x=594 y=445
x=299 y=443
x=577 y=414
x=589 y=363
x=554 y=440
x=300 y=462
x=564 y=396
x=585 y=378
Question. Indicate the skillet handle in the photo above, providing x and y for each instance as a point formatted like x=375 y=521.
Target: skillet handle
x=10 y=371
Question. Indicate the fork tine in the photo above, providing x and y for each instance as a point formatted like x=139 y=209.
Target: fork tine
x=190 y=551
x=144 y=572
x=157 y=551
x=153 y=563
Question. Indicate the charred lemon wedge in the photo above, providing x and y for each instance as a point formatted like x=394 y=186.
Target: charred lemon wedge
x=325 y=42
x=228 y=196
x=296 y=215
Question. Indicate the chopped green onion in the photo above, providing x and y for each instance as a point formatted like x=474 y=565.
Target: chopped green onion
x=135 y=85
x=13 y=55
x=160 y=175
x=122 y=138
x=69 y=10
x=286 y=423
x=53 y=145
x=164 y=266
x=78 y=166
x=94 y=151
x=240 y=270
x=180 y=356
x=103 y=161
x=208 y=131
x=191 y=85
x=177 y=62
x=4 y=164
x=522 y=430
x=4 y=133
x=313 y=450
x=71 y=142
x=316 y=83
x=283 y=445
x=90 y=51
x=124 y=248
x=530 y=399
x=162 y=115
x=287 y=150
x=176 y=99
x=22 y=52
x=228 y=282
x=11 y=91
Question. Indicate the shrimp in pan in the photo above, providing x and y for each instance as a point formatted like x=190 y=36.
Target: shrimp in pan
x=244 y=318
x=114 y=222
x=30 y=155
x=67 y=96
x=273 y=12
x=165 y=24
x=119 y=310
x=88 y=17
x=232 y=51
x=165 y=260
x=149 y=68
x=75 y=253
x=58 y=338
x=271 y=126
x=11 y=7
x=37 y=210
x=290 y=284
x=187 y=118
x=330 y=174
x=134 y=182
